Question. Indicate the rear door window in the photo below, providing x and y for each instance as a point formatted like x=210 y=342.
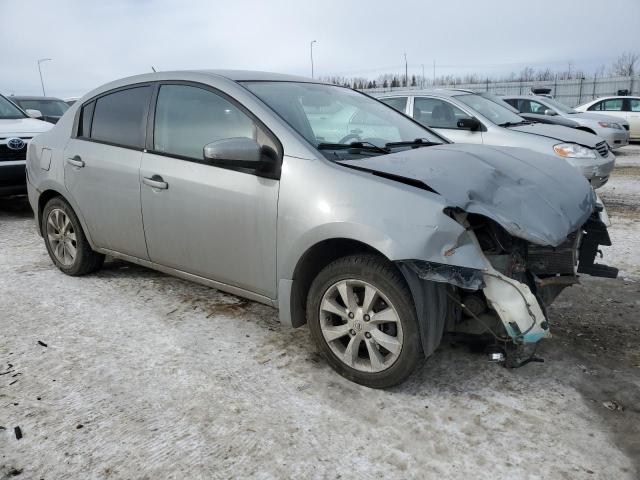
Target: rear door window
x=531 y=106
x=611 y=105
x=399 y=103
x=437 y=113
x=634 y=105
x=119 y=118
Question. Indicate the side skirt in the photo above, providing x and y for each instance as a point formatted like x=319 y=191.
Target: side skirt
x=191 y=277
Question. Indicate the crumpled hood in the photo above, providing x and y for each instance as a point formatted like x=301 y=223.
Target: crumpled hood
x=560 y=133
x=533 y=196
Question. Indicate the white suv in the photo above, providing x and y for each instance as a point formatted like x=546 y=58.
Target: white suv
x=16 y=129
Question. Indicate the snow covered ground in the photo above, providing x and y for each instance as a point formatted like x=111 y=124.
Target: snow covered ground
x=143 y=376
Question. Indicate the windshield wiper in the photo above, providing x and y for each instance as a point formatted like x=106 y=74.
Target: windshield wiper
x=355 y=146
x=514 y=124
x=418 y=142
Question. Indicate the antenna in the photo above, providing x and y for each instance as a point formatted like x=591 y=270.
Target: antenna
x=154 y=70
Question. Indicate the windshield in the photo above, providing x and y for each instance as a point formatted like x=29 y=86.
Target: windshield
x=499 y=101
x=327 y=115
x=561 y=107
x=8 y=110
x=491 y=110
x=48 y=108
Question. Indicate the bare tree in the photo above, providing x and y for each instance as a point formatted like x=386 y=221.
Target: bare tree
x=624 y=66
x=527 y=74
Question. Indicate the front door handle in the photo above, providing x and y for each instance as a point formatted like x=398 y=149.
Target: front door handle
x=155 y=181
x=76 y=161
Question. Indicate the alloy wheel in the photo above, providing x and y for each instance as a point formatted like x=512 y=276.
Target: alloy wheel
x=61 y=237
x=360 y=325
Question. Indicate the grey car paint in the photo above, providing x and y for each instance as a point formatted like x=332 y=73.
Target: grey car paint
x=616 y=138
x=248 y=235
x=562 y=202
x=539 y=137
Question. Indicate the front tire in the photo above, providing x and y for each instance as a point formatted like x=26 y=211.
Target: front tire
x=363 y=320
x=65 y=240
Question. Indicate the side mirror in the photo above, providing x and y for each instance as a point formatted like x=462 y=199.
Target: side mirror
x=472 y=124
x=241 y=152
x=550 y=112
x=34 y=113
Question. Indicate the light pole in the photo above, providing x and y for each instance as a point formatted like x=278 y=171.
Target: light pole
x=40 y=71
x=311 y=47
x=406 y=71
x=422 y=80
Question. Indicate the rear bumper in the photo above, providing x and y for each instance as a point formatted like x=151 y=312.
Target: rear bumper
x=12 y=177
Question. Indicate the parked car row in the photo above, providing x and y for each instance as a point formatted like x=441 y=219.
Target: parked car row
x=366 y=223
x=466 y=117
x=614 y=130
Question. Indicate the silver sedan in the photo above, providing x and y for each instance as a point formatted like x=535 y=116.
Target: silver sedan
x=614 y=130
x=322 y=202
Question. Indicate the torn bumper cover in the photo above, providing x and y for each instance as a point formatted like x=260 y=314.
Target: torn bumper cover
x=528 y=219
x=515 y=303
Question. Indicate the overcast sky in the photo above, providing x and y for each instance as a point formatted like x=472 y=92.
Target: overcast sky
x=93 y=42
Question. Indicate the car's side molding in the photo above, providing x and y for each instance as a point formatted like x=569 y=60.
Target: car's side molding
x=191 y=277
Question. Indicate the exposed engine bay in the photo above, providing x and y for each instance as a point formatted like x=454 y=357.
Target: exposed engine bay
x=529 y=225
x=506 y=303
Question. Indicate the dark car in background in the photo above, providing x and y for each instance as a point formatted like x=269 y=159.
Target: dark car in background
x=532 y=116
x=51 y=108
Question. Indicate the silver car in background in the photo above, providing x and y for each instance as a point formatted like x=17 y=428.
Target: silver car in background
x=466 y=117
x=614 y=130
x=321 y=201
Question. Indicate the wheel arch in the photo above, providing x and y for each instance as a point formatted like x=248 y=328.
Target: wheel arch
x=314 y=259
x=45 y=196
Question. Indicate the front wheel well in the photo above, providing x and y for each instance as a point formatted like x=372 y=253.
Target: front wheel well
x=312 y=262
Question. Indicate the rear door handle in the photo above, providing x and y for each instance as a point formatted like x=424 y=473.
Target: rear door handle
x=155 y=181
x=76 y=161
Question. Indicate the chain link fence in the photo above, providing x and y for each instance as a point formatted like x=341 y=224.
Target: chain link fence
x=572 y=92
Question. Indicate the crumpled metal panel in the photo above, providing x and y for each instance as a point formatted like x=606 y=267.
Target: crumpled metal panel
x=432 y=306
x=462 y=277
x=533 y=196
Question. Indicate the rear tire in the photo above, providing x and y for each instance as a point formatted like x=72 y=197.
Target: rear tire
x=372 y=337
x=65 y=240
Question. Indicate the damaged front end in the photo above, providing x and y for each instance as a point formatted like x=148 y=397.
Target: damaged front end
x=529 y=225
x=506 y=302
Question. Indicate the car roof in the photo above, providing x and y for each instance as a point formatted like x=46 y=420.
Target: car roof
x=439 y=92
x=609 y=97
x=253 y=75
x=33 y=97
x=538 y=97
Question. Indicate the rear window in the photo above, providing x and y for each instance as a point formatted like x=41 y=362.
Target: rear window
x=120 y=117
